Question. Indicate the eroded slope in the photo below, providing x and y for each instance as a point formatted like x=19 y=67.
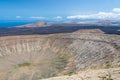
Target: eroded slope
x=42 y=56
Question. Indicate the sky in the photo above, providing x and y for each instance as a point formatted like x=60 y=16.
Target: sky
x=59 y=9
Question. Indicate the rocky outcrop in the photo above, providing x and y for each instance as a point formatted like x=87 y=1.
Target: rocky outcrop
x=101 y=74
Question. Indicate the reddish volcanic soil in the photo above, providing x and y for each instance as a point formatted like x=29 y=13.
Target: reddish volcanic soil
x=38 y=24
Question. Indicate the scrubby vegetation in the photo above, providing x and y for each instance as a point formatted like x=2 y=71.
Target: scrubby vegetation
x=24 y=64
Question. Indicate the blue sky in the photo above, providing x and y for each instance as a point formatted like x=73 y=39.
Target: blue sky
x=57 y=9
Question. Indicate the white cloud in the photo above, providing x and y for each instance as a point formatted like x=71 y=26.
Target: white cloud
x=116 y=10
x=103 y=15
x=80 y=17
x=99 y=15
x=37 y=17
x=58 y=17
x=18 y=16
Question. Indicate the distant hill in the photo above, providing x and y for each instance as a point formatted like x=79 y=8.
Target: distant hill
x=96 y=31
x=38 y=24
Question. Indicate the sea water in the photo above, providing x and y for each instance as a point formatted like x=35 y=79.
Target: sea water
x=9 y=24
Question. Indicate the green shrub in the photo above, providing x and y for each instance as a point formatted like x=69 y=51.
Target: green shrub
x=24 y=64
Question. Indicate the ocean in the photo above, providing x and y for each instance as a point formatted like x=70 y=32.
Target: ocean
x=11 y=23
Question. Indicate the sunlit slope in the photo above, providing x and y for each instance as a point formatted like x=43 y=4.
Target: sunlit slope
x=42 y=56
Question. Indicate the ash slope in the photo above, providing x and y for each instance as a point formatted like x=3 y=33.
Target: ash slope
x=42 y=56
